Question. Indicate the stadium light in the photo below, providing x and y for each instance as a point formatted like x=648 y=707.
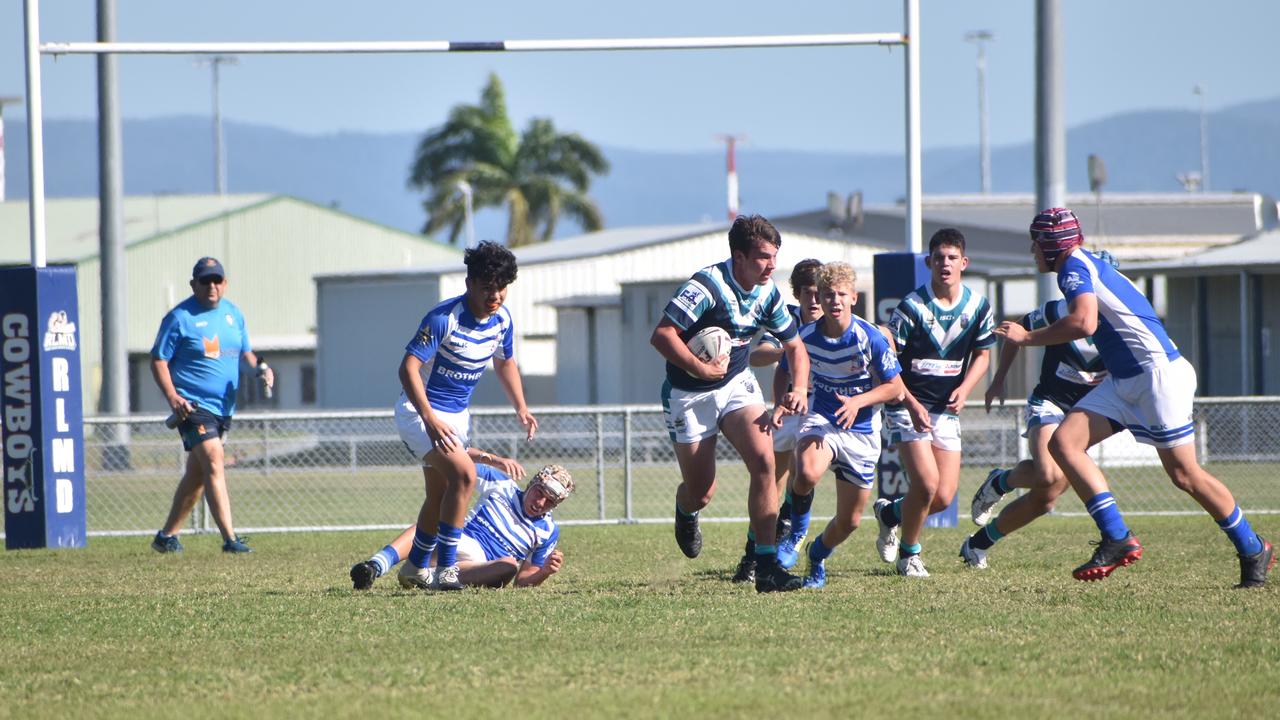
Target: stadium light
x=981 y=38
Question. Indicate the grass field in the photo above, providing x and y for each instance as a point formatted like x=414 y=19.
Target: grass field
x=632 y=629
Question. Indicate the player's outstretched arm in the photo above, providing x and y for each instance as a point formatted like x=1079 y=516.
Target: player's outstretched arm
x=509 y=375
x=797 y=400
x=767 y=352
x=1080 y=321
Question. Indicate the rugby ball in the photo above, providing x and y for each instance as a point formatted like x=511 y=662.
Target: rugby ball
x=710 y=343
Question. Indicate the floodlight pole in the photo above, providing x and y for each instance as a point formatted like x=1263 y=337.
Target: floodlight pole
x=1051 y=136
x=981 y=38
x=1199 y=91
x=464 y=187
x=215 y=64
x=114 y=399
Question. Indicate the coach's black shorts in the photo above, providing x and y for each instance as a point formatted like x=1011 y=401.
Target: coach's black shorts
x=202 y=425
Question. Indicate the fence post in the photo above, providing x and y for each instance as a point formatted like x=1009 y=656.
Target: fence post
x=600 y=461
x=266 y=446
x=626 y=462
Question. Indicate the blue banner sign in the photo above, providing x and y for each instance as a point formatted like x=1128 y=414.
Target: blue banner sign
x=41 y=420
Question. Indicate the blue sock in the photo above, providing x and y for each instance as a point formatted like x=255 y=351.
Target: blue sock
x=1107 y=516
x=818 y=551
x=448 y=554
x=1241 y=533
x=424 y=543
x=385 y=559
x=800 y=507
x=905 y=550
x=986 y=537
x=1001 y=483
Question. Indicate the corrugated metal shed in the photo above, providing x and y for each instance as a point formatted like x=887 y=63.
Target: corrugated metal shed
x=271 y=246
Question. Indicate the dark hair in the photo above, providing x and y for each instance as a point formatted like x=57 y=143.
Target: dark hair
x=748 y=228
x=490 y=262
x=947 y=236
x=804 y=274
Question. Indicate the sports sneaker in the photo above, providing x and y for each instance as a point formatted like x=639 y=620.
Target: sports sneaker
x=1254 y=568
x=162 y=543
x=986 y=499
x=1110 y=555
x=972 y=556
x=363 y=574
x=412 y=577
x=688 y=534
x=746 y=572
x=447 y=578
x=788 y=555
x=912 y=566
x=236 y=545
x=816 y=578
x=887 y=539
x=772 y=578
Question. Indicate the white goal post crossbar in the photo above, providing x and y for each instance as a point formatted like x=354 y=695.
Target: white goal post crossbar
x=34 y=49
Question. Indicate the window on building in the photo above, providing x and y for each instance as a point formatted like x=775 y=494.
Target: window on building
x=308 y=384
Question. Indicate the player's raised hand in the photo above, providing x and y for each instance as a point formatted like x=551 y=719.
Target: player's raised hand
x=509 y=467
x=1012 y=332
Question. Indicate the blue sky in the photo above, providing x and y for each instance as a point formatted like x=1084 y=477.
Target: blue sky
x=1120 y=56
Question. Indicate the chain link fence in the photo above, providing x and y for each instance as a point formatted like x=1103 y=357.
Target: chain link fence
x=348 y=470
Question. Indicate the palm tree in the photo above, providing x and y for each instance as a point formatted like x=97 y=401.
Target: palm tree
x=539 y=176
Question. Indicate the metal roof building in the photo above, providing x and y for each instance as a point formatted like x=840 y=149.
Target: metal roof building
x=271 y=246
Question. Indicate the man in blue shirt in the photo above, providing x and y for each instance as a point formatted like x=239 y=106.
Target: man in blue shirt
x=196 y=363
x=1149 y=390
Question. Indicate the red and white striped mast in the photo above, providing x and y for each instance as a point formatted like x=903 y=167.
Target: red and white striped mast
x=731 y=172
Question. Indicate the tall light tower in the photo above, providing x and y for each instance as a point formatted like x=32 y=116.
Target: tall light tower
x=981 y=38
x=215 y=62
x=4 y=101
x=1199 y=91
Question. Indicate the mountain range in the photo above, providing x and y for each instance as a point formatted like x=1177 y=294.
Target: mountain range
x=364 y=173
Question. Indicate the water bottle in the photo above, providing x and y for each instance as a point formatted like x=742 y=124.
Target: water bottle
x=262 y=377
x=172 y=421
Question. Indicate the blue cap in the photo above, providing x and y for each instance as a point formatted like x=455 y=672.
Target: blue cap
x=206 y=266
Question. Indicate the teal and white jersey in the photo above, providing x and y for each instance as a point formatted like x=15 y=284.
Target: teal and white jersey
x=713 y=297
x=936 y=341
x=1069 y=370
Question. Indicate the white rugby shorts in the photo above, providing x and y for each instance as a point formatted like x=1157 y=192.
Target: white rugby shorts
x=1155 y=406
x=695 y=415
x=414 y=432
x=945 y=434
x=854 y=454
x=785 y=437
x=1041 y=411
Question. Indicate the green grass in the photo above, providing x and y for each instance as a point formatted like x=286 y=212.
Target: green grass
x=631 y=629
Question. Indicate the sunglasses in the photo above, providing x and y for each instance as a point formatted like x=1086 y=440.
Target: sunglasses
x=210 y=280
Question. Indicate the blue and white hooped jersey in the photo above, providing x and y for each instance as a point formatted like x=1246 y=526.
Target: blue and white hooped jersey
x=713 y=297
x=936 y=342
x=848 y=365
x=1130 y=337
x=499 y=524
x=1069 y=370
x=455 y=347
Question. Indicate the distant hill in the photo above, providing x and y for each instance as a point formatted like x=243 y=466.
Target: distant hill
x=365 y=173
